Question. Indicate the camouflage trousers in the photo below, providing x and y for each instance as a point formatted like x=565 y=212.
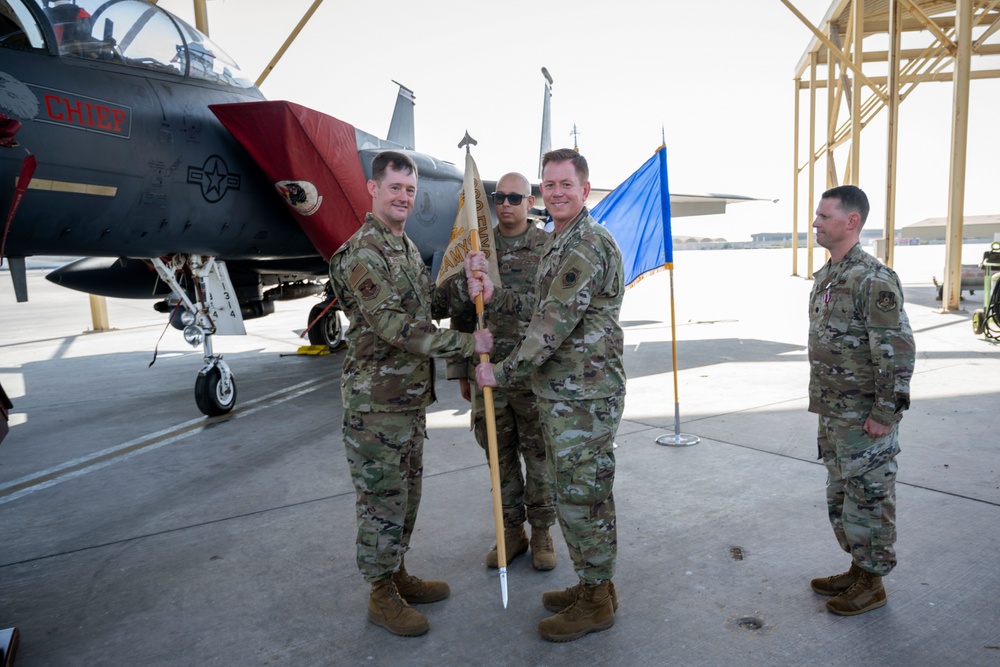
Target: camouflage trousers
x=579 y=448
x=528 y=494
x=861 y=491
x=385 y=452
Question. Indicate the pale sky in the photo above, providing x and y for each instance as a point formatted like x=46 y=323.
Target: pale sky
x=716 y=76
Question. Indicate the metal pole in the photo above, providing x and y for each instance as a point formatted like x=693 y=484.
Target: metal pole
x=795 y=184
x=678 y=439
x=892 y=133
x=951 y=294
x=201 y=16
x=813 y=58
x=858 y=10
x=288 y=42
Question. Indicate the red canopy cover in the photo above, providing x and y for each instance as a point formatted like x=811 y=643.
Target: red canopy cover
x=312 y=161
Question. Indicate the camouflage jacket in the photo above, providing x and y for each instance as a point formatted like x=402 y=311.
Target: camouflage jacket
x=861 y=350
x=518 y=259
x=386 y=291
x=573 y=348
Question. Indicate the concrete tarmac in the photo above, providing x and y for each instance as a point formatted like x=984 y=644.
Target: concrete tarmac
x=137 y=532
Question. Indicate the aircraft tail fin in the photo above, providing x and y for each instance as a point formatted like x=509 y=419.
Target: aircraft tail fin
x=401 y=128
x=546 y=143
x=312 y=161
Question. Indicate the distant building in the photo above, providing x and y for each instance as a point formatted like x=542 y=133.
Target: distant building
x=974 y=228
x=784 y=239
x=679 y=240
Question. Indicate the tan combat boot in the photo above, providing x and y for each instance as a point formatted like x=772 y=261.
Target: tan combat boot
x=418 y=591
x=864 y=595
x=556 y=601
x=591 y=612
x=387 y=609
x=543 y=554
x=838 y=583
x=515 y=542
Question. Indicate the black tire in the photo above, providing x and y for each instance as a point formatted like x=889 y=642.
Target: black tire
x=979 y=321
x=210 y=396
x=328 y=331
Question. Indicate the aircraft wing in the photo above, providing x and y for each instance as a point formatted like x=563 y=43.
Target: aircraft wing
x=682 y=206
x=706 y=204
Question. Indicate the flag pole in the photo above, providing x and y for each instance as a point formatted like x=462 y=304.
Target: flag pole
x=491 y=423
x=678 y=439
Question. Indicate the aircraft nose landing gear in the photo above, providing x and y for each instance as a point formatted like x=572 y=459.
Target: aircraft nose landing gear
x=215 y=388
x=213 y=311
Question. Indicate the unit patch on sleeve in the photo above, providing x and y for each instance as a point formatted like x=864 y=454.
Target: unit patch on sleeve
x=368 y=289
x=570 y=277
x=886 y=301
x=571 y=280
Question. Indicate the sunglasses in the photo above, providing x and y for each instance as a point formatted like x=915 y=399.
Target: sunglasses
x=513 y=198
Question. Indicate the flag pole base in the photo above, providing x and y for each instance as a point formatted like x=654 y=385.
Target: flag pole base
x=678 y=440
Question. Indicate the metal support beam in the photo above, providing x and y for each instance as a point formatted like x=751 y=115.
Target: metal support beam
x=858 y=17
x=832 y=112
x=977 y=46
x=951 y=293
x=812 y=162
x=834 y=51
x=201 y=16
x=926 y=77
x=928 y=23
x=892 y=133
x=99 y=313
x=795 y=184
x=288 y=42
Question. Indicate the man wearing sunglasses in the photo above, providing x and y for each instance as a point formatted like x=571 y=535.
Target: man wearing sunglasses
x=572 y=352
x=526 y=496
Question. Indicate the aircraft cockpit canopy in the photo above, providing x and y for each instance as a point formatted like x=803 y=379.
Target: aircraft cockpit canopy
x=135 y=33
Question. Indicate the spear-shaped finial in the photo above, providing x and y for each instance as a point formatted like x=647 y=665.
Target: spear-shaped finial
x=467 y=141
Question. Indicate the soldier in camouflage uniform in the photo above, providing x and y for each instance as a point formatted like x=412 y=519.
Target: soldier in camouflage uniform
x=385 y=289
x=861 y=357
x=526 y=495
x=573 y=353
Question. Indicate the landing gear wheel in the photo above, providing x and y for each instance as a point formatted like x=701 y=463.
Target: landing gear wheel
x=979 y=321
x=328 y=331
x=213 y=396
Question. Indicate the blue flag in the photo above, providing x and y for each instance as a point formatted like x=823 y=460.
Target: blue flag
x=637 y=213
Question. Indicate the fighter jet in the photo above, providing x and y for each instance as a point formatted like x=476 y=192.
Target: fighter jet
x=106 y=130
x=112 y=149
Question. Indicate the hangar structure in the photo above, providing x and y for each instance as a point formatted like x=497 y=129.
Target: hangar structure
x=942 y=42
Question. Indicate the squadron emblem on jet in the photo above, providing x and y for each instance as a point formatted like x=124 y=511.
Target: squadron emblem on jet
x=300 y=195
